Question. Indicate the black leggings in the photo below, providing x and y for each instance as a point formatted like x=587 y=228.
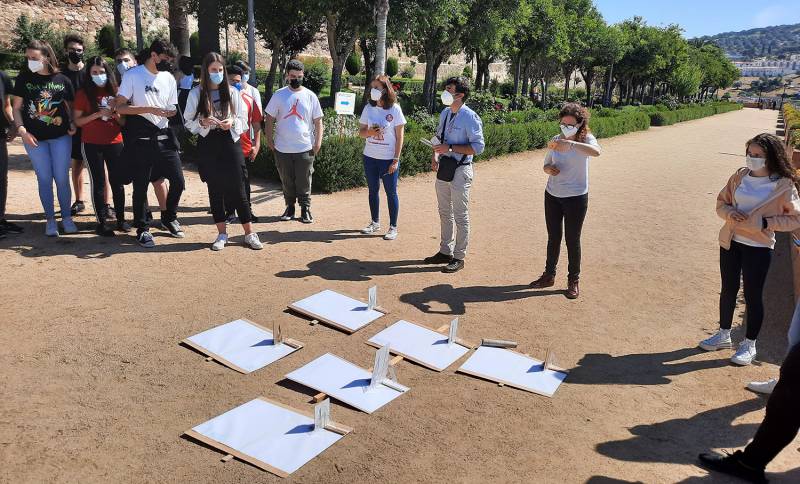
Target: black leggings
x=569 y=213
x=3 y=174
x=222 y=162
x=153 y=160
x=750 y=264
x=97 y=157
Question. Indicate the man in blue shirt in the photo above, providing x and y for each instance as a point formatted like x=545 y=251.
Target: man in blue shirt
x=460 y=132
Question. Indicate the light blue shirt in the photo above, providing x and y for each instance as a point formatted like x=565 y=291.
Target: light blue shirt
x=463 y=128
x=573 y=178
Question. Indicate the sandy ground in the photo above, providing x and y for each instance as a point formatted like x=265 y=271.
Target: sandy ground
x=96 y=387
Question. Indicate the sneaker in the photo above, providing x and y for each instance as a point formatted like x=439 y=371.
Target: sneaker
x=51 y=230
x=230 y=218
x=371 y=228
x=219 y=244
x=763 y=387
x=103 y=231
x=732 y=465
x=391 y=234
x=175 y=229
x=252 y=240
x=10 y=227
x=545 y=280
x=745 y=353
x=572 y=289
x=305 y=215
x=288 y=214
x=123 y=226
x=455 y=265
x=720 y=341
x=439 y=258
x=145 y=239
x=77 y=207
x=69 y=226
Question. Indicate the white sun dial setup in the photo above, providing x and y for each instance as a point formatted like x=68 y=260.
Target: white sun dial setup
x=340 y=311
x=424 y=346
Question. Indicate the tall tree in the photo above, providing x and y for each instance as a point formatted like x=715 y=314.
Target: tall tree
x=116 y=8
x=344 y=19
x=487 y=30
x=137 y=13
x=381 y=20
x=179 y=25
x=581 y=20
x=208 y=26
x=604 y=47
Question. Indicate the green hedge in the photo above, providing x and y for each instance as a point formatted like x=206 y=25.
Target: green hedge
x=11 y=61
x=666 y=117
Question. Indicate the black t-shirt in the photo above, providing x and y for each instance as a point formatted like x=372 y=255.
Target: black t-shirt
x=75 y=77
x=45 y=113
x=6 y=89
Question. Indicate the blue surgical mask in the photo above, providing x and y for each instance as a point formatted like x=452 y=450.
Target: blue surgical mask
x=238 y=86
x=245 y=78
x=100 y=79
x=122 y=68
x=216 y=77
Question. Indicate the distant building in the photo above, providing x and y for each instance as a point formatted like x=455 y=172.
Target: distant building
x=768 y=68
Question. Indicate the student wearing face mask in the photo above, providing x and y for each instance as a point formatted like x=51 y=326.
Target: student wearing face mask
x=43 y=119
x=566 y=198
x=382 y=124
x=248 y=86
x=216 y=113
x=758 y=200
x=101 y=140
x=6 y=130
x=460 y=131
x=184 y=76
x=73 y=69
x=124 y=61
x=293 y=114
x=148 y=97
x=251 y=137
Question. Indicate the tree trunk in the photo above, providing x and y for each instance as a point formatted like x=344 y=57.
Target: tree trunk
x=369 y=65
x=429 y=84
x=116 y=6
x=588 y=79
x=208 y=26
x=607 y=94
x=137 y=13
x=273 y=69
x=340 y=44
x=517 y=75
x=525 y=86
x=653 y=91
x=478 y=73
x=381 y=14
x=544 y=93
x=567 y=75
x=487 y=80
x=179 y=25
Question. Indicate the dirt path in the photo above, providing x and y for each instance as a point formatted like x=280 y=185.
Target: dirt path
x=97 y=389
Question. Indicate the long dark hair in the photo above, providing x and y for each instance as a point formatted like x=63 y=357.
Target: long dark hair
x=778 y=161
x=50 y=59
x=389 y=97
x=205 y=107
x=581 y=114
x=91 y=88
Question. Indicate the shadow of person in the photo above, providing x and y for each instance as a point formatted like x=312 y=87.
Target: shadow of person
x=338 y=268
x=325 y=236
x=639 y=369
x=609 y=480
x=680 y=440
x=96 y=247
x=792 y=476
x=456 y=298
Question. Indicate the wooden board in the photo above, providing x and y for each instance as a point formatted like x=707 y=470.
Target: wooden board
x=513 y=369
x=337 y=310
x=419 y=344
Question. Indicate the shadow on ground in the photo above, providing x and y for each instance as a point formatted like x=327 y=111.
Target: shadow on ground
x=456 y=298
x=338 y=268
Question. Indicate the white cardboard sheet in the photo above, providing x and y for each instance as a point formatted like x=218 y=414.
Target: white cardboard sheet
x=513 y=369
x=269 y=433
x=338 y=310
x=419 y=344
x=345 y=382
x=248 y=347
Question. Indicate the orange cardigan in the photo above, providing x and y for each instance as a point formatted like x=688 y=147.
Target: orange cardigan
x=782 y=212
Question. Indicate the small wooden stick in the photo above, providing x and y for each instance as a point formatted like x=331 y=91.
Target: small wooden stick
x=292 y=343
x=227 y=458
x=335 y=429
x=498 y=343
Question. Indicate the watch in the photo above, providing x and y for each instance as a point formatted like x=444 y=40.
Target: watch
x=450 y=148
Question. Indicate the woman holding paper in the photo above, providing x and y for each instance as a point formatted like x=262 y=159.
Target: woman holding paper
x=757 y=201
x=218 y=115
x=566 y=198
x=382 y=124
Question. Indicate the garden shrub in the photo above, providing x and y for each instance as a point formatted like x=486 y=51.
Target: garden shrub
x=392 y=66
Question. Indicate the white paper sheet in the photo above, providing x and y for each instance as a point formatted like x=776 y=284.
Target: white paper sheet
x=345 y=382
x=513 y=369
x=337 y=309
x=270 y=433
x=241 y=343
x=422 y=345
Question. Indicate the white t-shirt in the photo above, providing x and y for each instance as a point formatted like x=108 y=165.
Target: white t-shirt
x=573 y=178
x=749 y=194
x=294 y=113
x=143 y=88
x=382 y=147
x=254 y=93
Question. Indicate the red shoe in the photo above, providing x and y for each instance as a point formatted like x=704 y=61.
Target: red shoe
x=545 y=280
x=572 y=290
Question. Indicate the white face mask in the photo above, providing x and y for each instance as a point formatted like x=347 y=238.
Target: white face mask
x=35 y=65
x=569 y=131
x=100 y=79
x=375 y=94
x=447 y=98
x=755 y=164
x=122 y=68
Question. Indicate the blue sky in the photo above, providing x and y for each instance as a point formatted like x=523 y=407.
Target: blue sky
x=704 y=17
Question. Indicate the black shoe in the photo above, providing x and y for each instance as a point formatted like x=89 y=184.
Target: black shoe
x=10 y=228
x=148 y=217
x=123 y=226
x=77 y=207
x=104 y=231
x=455 y=265
x=2 y=234
x=439 y=258
x=254 y=218
x=288 y=214
x=732 y=465
x=175 y=229
x=305 y=215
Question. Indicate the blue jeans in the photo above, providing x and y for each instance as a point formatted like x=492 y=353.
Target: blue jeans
x=51 y=161
x=376 y=170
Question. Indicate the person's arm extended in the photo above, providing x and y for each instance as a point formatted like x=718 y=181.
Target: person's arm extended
x=317 y=135
x=256 y=140
x=8 y=111
x=587 y=149
x=365 y=131
x=194 y=124
x=269 y=131
x=124 y=108
x=82 y=120
x=19 y=128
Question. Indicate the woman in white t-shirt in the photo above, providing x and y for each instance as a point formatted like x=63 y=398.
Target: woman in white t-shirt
x=383 y=126
x=566 y=198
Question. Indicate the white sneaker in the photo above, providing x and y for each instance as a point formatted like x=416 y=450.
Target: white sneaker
x=720 y=341
x=746 y=353
x=145 y=239
x=391 y=234
x=51 y=230
x=764 y=387
x=219 y=244
x=371 y=228
x=69 y=226
x=251 y=239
